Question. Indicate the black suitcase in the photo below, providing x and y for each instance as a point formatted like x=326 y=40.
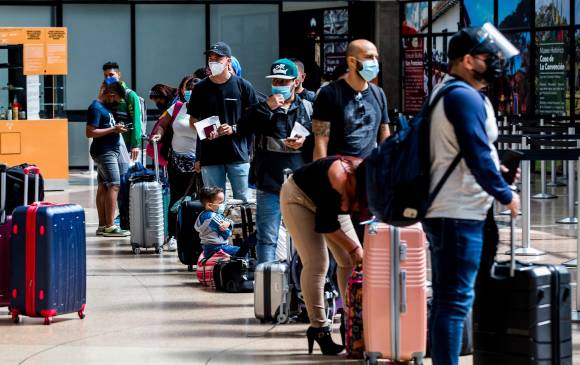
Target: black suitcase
x=233 y=276
x=188 y=243
x=522 y=315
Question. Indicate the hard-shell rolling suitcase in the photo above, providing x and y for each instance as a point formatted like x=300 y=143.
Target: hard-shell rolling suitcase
x=188 y=241
x=395 y=293
x=273 y=288
x=205 y=267
x=5 y=227
x=146 y=214
x=48 y=260
x=522 y=315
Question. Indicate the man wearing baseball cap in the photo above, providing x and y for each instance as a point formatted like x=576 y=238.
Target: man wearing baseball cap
x=226 y=151
x=463 y=130
x=276 y=148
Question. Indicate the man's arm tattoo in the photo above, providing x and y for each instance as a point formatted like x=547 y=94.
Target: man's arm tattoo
x=321 y=129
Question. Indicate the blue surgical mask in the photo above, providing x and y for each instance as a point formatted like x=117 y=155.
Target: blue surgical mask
x=221 y=209
x=187 y=95
x=285 y=91
x=369 y=70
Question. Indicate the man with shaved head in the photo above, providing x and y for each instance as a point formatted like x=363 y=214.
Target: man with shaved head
x=350 y=114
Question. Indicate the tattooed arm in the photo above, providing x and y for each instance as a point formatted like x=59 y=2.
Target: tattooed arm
x=384 y=132
x=321 y=131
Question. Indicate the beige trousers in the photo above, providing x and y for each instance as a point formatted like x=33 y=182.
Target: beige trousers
x=298 y=214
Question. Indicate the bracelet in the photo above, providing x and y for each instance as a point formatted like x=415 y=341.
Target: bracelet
x=353 y=250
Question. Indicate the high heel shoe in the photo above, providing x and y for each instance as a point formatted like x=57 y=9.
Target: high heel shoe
x=324 y=340
x=342 y=329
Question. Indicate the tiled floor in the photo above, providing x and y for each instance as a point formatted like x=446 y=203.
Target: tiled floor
x=149 y=310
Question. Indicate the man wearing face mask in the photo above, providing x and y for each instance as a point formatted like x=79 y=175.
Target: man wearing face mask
x=303 y=92
x=463 y=130
x=350 y=114
x=276 y=149
x=226 y=152
x=128 y=109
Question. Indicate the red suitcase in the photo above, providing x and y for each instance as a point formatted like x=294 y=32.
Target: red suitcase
x=5 y=227
x=48 y=259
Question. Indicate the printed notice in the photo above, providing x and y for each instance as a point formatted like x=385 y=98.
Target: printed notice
x=551 y=86
x=11 y=36
x=56 y=52
x=34 y=48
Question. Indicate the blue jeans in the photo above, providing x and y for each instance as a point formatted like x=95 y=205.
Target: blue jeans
x=237 y=173
x=210 y=249
x=455 y=246
x=268 y=217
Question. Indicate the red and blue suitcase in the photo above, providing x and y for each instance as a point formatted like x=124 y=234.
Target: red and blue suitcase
x=48 y=261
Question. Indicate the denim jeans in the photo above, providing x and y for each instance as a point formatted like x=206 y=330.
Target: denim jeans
x=268 y=217
x=455 y=246
x=237 y=173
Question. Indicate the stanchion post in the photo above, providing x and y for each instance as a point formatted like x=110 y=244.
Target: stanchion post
x=543 y=194
x=526 y=249
x=576 y=311
x=571 y=218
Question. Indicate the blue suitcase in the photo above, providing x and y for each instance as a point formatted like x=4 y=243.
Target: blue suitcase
x=48 y=256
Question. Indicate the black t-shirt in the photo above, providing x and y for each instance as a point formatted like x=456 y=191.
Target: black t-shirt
x=313 y=180
x=354 y=117
x=229 y=102
x=100 y=117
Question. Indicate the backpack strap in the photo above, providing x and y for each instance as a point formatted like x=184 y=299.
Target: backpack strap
x=448 y=86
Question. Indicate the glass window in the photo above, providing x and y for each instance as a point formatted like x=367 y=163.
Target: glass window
x=514 y=14
x=513 y=89
x=439 y=60
x=416 y=18
x=577 y=11
x=551 y=13
x=165 y=53
x=552 y=67
x=96 y=34
x=415 y=79
x=577 y=75
x=20 y=16
x=242 y=25
x=477 y=12
x=445 y=16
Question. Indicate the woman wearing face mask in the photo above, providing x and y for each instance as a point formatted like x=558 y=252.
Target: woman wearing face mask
x=315 y=202
x=179 y=143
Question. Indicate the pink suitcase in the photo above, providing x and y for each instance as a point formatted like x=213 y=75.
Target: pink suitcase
x=205 y=267
x=5 y=227
x=395 y=293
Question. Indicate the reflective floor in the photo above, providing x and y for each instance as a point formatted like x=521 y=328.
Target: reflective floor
x=148 y=309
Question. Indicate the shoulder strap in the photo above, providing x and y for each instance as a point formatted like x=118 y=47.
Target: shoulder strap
x=450 y=85
x=176 y=110
x=375 y=91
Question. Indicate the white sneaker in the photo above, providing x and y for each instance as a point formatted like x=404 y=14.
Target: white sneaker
x=100 y=231
x=172 y=244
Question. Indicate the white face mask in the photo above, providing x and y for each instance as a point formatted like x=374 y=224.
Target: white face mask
x=216 y=68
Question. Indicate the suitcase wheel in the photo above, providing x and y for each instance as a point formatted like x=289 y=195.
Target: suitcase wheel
x=190 y=268
x=159 y=250
x=81 y=314
x=282 y=318
x=136 y=250
x=15 y=318
x=46 y=321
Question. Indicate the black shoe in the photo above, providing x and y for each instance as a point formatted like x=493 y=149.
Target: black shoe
x=324 y=340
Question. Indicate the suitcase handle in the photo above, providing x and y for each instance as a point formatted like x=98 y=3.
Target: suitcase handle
x=156 y=160
x=27 y=171
x=3 y=193
x=403 y=276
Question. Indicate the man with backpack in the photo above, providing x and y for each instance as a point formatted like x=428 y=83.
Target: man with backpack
x=465 y=169
x=130 y=110
x=350 y=114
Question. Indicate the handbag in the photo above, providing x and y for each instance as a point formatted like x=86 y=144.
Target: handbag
x=165 y=143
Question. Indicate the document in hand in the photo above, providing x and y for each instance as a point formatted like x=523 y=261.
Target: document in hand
x=299 y=130
x=206 y=126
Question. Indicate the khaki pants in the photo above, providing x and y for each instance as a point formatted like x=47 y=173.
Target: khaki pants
x=298 y=214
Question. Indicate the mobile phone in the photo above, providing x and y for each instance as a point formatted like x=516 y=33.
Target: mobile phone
x=511 y=160
x=128 y=125
x=291 y=139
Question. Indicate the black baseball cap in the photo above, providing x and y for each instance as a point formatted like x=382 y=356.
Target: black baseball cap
x=220 y=48
x=471 y=41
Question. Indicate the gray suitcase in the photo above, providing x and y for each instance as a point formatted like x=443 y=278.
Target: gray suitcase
x=146 y=213
x=272 y=287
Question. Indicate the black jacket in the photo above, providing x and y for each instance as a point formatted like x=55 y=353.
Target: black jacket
x=270 y=128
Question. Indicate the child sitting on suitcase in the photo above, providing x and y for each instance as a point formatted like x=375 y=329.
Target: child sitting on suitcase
x=213 y=227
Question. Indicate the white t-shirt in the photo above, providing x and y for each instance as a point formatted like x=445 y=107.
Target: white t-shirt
x=184 y=138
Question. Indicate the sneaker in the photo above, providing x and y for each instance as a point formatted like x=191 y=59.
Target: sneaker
x=115 y=231
x=172 y=244
x=100 y=231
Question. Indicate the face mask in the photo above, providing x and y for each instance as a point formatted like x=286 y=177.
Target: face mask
x=187 y=95
x=285 y=91
x=216 y=68
x=222 y=208
x=161 y=106
x=492 y=71
x=368 y=70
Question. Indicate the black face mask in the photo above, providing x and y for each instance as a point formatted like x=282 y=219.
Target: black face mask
x=493 y=70
x=112 y=106
x=161 y=106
